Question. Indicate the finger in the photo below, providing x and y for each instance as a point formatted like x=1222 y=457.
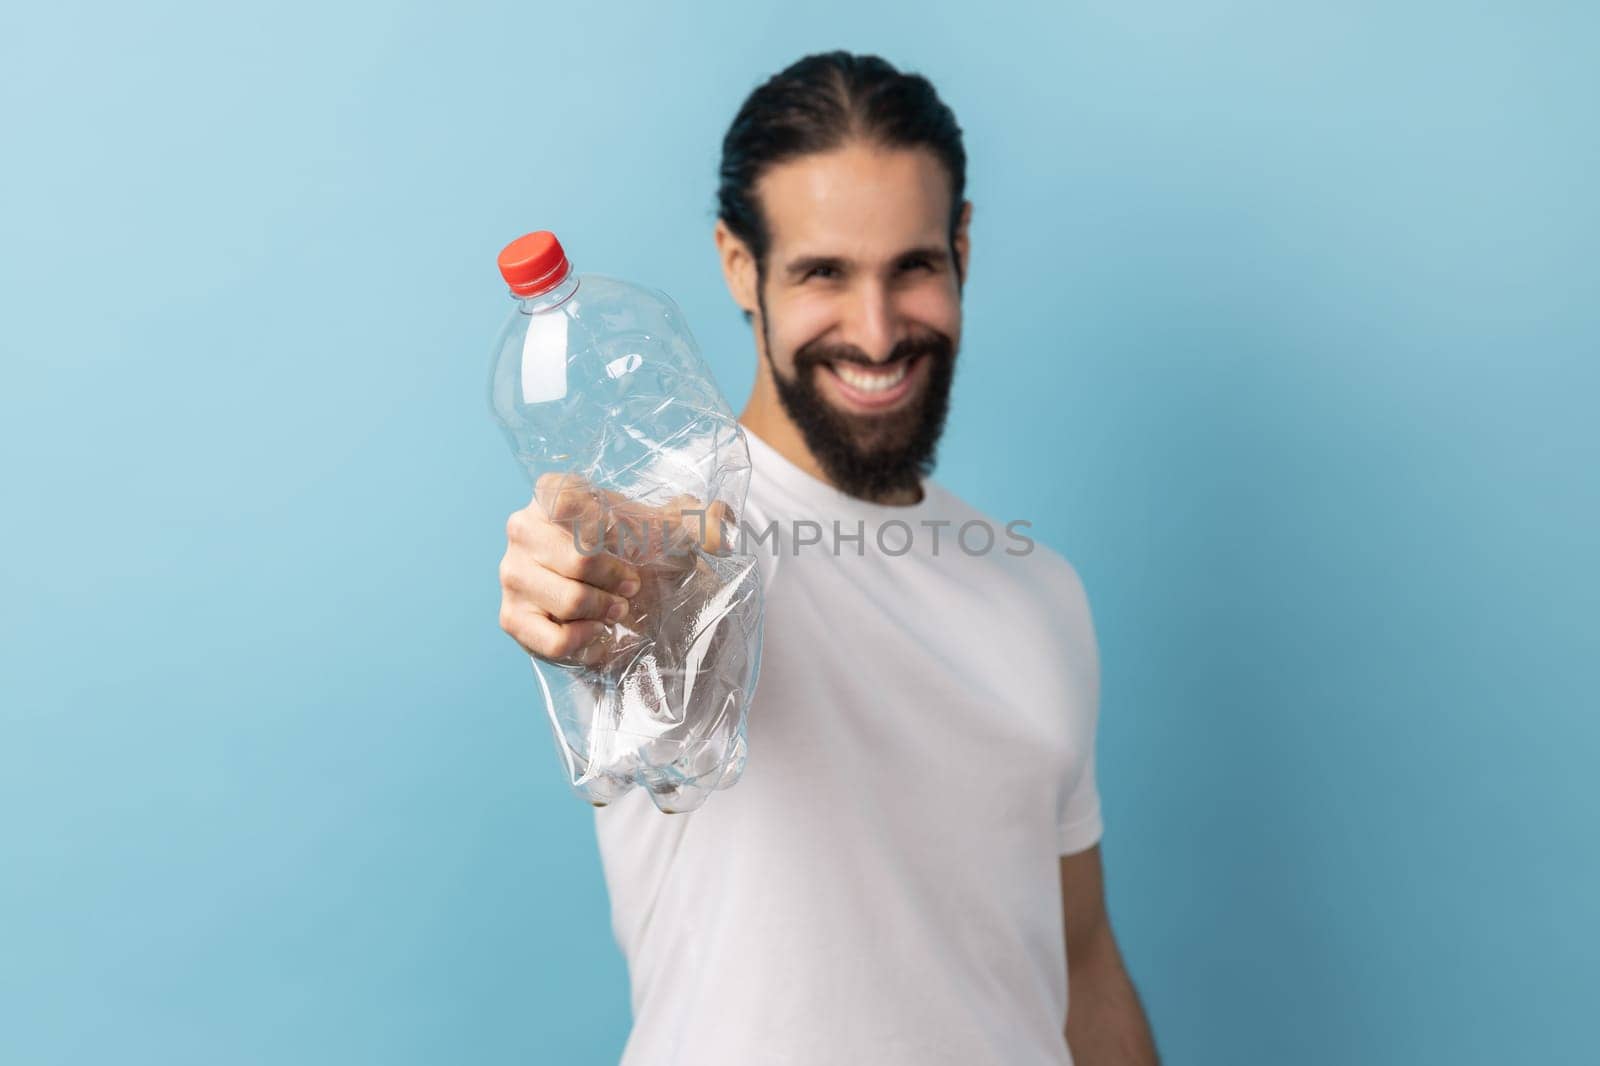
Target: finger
x=698 y=523
x=563 y=495
x=556 y=550
x=717 y=520
x=530 y=530
x=584 y=642
x=573 y=506
x=601 y=519
x=564 y=599
x=597 y=519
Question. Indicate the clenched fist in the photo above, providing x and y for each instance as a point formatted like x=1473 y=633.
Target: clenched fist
x=585 y=569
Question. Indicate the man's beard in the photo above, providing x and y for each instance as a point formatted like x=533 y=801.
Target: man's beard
x=870 y=456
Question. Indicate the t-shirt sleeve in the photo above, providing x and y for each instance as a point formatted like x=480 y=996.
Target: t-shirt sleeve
x=1078 y=822
x=1079 y=826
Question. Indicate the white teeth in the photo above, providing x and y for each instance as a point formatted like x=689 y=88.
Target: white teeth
x=870 y=381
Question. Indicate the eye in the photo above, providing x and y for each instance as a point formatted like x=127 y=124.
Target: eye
x=917 y=261
x=816 y=270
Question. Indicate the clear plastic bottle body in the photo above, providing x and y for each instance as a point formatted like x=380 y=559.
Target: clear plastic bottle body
x=600 y=382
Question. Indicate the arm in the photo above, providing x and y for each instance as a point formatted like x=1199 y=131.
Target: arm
x=1106 y=1025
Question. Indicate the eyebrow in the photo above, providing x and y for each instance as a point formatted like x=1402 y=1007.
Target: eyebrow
x=798 y=268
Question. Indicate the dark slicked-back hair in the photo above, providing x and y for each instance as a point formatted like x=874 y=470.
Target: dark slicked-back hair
x=818 y=104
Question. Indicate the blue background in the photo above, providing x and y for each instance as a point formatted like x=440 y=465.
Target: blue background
x=1282 y=325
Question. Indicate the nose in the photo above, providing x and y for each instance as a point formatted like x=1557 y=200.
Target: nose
x=873 y=321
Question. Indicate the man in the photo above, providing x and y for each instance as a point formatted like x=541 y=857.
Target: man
x=908 y=872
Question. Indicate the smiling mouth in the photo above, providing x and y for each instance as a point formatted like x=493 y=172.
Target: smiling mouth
x=874 y=388
x=871 y=380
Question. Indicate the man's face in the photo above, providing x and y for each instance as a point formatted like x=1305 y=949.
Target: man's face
x=861 y=309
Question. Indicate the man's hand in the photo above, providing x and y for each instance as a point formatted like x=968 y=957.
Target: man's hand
x=555 y=600
x=576 y=556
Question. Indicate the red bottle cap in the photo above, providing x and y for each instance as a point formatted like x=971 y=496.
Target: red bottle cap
x=533 y=263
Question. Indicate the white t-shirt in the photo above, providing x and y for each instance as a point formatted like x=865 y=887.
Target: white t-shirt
x=882 y=885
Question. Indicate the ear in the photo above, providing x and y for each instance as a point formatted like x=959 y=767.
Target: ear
x=962 y=244
x=738 y=267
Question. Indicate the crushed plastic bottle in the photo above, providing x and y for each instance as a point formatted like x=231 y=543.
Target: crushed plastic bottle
x=609 y=408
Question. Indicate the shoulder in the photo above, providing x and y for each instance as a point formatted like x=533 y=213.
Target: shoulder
x=1022 y=562
x=1017 y=542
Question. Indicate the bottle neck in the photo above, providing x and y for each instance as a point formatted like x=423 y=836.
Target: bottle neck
x=550 y=298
